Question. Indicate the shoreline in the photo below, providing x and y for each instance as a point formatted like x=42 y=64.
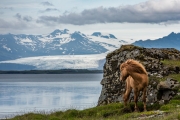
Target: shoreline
x=61 y=71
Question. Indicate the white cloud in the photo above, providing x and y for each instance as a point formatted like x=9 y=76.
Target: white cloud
x=12 y=25
x=47 y=3
x=152 y=11
x=125 y=19
x=48 y=10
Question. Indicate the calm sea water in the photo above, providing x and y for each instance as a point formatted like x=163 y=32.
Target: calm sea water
x=23 y=93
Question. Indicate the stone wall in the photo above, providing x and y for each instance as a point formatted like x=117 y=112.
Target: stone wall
x=161 y=92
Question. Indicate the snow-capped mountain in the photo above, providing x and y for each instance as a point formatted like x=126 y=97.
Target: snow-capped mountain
x=108 y=36
x=59 y=42
x=65 y=50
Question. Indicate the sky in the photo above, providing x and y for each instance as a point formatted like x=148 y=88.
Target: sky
x=127 y=19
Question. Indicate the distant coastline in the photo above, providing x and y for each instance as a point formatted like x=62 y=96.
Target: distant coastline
x=61 y=71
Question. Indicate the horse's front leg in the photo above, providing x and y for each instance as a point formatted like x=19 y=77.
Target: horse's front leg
x=144 y=98
x=136 y=94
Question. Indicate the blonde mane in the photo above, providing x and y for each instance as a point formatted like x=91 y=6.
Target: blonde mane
x=133 y=66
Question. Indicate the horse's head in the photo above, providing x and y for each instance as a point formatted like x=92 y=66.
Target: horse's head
x=123 y=72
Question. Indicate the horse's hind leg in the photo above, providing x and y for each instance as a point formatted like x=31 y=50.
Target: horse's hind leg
x=136 y=94
x=144 y=98
x=127 y=94
x=128 y=91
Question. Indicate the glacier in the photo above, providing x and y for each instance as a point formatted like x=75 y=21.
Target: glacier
x=95 y=61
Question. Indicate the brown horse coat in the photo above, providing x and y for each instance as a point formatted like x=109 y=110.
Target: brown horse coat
x=136 y=78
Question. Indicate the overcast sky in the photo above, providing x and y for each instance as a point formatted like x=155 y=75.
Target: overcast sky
x=126 y=19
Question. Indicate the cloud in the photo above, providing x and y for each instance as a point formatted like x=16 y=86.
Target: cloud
x=18 y=16
x=23 y=18
x=49 y=10
x=48 y=20
x=152 y=11
x=27 y=18
x=47 y=3
x=12 y=25
x=7 y=8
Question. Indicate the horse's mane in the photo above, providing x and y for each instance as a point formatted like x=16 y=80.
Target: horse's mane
x=133 y=66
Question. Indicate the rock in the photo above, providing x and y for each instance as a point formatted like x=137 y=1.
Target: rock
x=167 y=89
x=164 y=85
x=156 y=114
x=169 y=84
x=162 y=92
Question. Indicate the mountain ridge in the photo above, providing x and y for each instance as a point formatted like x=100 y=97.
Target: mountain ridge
x=170 y=41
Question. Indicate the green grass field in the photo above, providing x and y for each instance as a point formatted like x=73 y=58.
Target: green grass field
x=172 y=63
x=114 y=111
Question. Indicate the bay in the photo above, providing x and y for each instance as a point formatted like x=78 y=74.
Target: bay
x=23 y=93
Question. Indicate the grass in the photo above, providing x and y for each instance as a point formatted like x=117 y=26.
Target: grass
x=112 y=111
x=96 y=112
x=171 y=63
x=174 y=76
x=123 y=48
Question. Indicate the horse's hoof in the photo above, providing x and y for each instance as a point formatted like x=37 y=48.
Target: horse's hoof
x=136 y=110
x=145 y=111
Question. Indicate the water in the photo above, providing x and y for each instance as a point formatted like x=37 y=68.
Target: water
x=23 y=93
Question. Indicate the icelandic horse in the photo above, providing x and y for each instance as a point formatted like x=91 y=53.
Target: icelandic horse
x=136 y=78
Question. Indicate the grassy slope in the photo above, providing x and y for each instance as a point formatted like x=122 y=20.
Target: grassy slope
x=112 y=111
x=115 y=111
x=172 y=63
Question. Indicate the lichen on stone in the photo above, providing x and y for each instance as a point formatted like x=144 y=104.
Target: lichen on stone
x=151 y=58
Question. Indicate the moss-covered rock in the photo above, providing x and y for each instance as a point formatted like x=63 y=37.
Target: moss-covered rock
x=155 y=61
